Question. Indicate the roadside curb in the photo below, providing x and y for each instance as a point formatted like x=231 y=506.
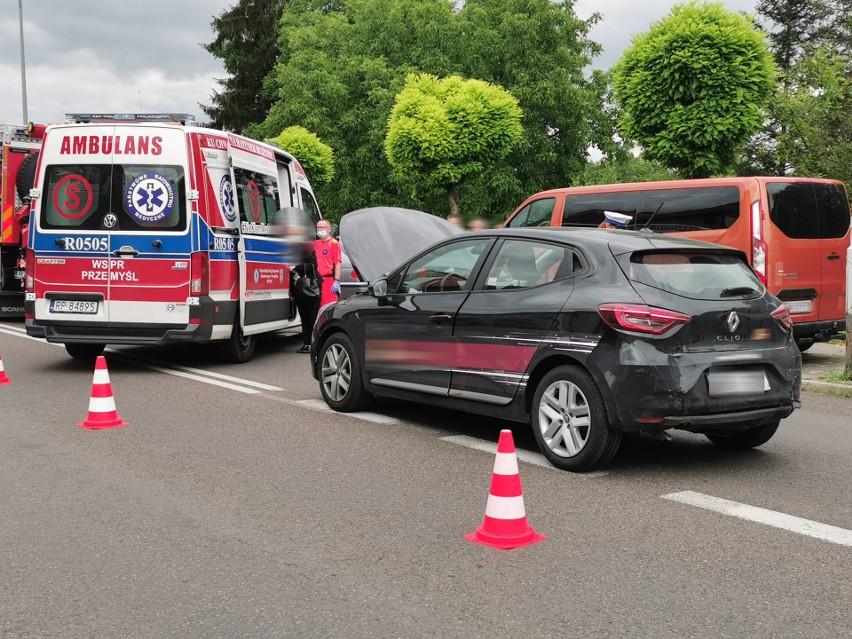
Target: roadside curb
x=827 y=388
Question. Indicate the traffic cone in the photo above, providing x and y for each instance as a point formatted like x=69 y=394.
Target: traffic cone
x=505 y=524
x=3 y=378
x=102 y=413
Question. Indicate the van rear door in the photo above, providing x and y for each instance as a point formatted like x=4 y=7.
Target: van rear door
x=809 y=236
x=71 y=244
x=150 y=237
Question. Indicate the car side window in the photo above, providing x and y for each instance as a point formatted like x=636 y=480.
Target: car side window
x=521 y=218
x=523 y=263
x=446 y=268
x=310 y=206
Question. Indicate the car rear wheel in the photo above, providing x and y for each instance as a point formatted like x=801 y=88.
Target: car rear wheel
x=341 y=381
x=743 y=439
x=239 y=348
x=569 y=421
x=85 y=351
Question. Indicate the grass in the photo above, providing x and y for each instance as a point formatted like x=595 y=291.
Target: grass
x=845 y=376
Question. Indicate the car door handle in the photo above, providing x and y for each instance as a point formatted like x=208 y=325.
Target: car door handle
x=60 y=242
x=441 y=319
x=125 y=250
x=834 y=257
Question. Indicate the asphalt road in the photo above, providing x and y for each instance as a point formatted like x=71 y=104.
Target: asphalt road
x=247 y=510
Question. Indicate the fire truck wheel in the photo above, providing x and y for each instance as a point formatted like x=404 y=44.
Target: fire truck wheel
x=84 y=351
x=26 y=176
x=239 y=348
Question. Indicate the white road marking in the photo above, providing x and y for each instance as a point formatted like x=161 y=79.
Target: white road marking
x=195 y=374
x=764 y=516
x=523 y=455
x=318 y=404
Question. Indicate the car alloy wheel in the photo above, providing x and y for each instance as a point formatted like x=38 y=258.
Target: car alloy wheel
x=569 y=420
x=564 y=418
x=336 y=372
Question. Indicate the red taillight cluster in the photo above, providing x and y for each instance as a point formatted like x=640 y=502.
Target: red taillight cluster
x=29 y=268
x=644 y=320
x=783 y=317
x=199 y=277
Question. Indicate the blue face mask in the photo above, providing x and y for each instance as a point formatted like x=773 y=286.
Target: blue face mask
x=322 y=234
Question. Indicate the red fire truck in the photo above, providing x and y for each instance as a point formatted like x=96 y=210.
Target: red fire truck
x=20 y=146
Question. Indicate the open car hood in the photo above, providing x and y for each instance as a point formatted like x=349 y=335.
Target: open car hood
x=379 y=239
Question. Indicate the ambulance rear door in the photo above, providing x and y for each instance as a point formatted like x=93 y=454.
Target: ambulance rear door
x=263 y=272
x=72 y=216
x=150 y=238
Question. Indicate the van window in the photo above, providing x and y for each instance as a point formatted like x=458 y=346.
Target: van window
x=257 y=194
x=693 y=209
x=309 y=205
x=807 y=210
x=588 y=210
x=537 y=213
x=139 y=197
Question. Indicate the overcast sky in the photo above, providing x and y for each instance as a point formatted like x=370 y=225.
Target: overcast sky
x=117 y=56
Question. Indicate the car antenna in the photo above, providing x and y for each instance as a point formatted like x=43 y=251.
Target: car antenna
x=647 y=223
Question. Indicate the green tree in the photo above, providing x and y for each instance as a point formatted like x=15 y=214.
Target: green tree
x=798 y=30
x=691 y=89
x=246 y=42
x=316 y=157
x=442 y=132
x=341 y=65
x=624 y=169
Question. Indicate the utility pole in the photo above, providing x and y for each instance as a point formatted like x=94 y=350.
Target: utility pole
x=23 y=63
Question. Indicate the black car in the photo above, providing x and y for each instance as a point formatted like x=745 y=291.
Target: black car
x=586 y=334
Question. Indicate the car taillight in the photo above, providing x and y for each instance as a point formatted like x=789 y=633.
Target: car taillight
x=758 y=246
x=646 y=320
x=29 y=267
x=782 y=316
x=199 y=282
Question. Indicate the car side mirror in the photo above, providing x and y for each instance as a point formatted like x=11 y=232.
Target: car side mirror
x=335 y=230
x=379 y=288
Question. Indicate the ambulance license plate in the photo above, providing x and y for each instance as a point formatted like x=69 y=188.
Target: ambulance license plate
x=73 y=306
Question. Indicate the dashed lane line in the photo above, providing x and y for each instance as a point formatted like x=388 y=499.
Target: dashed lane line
x=376 y=418
x=523 y=455
x=764 y=516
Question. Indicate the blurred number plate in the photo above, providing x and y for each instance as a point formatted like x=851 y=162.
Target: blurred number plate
x=737 y=383
x=73 y=306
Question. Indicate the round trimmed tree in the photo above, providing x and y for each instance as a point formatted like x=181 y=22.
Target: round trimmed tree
x=316 y=157
x=443 y=131
x=691 y=89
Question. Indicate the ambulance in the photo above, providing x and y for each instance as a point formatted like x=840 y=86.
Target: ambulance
x=149 y=230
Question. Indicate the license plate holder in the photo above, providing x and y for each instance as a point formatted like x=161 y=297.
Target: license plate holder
x=737 y=383
x=74 y=306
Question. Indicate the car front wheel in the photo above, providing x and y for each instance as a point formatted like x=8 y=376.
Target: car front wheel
x=341 y=380
x=744 y=439
x=569 y=421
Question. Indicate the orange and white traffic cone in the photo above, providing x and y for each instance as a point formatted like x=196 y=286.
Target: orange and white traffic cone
x=3 y=378
x=505 y=524
x=102 y=413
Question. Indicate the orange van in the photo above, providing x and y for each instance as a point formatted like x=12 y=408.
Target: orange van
x=795 y=231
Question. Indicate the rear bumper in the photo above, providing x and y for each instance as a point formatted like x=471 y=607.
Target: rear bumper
x=819 y=331
x=648 y=389
x=124 y=334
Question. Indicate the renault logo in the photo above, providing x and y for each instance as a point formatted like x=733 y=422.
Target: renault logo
x=733 y=321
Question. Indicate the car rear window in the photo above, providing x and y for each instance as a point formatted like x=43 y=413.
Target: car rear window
x=117 y=197
x=697 y=275
x=808 y=210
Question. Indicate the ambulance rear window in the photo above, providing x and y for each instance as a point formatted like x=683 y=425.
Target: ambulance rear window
x=126 y=198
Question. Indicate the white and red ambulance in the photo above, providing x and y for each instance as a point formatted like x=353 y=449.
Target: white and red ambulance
x=146 y=229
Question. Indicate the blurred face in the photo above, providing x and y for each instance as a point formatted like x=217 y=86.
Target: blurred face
x=323 y=230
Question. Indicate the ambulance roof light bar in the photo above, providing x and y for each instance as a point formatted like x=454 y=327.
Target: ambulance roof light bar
x=179 y=118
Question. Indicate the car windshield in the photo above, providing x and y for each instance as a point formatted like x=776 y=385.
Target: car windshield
x=697 y=275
